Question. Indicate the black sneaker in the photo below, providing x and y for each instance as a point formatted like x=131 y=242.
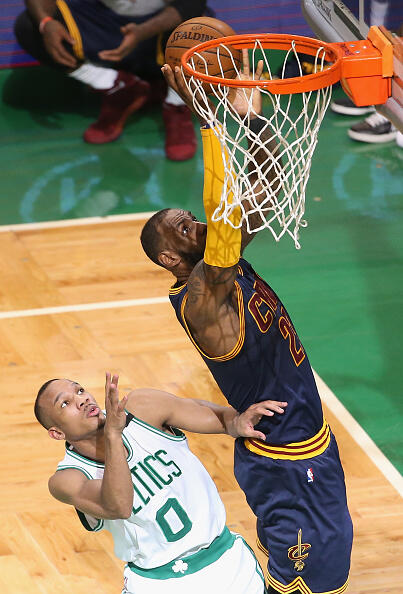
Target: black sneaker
x=347 y=107
x=375 y=128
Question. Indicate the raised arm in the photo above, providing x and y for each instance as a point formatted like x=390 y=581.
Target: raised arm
x=162 y=410
x=241 y=100
x=111 y=497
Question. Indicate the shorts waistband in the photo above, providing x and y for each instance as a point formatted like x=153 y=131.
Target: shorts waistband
x=301 y=450
x=190 y=564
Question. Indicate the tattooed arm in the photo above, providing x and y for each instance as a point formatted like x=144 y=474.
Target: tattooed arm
x=211 y=310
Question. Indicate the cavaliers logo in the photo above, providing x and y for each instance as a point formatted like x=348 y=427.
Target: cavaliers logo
x=298 y=552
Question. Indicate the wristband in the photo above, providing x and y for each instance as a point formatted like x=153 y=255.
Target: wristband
x=43 y=22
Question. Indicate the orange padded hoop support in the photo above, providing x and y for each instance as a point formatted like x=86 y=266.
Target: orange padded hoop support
x=363 y=67
x=367 y=68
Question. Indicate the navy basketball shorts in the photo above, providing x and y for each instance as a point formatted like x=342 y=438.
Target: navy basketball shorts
x=303 y=521
x=95 y=27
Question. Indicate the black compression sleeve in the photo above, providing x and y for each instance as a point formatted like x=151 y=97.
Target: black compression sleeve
x=257 y=125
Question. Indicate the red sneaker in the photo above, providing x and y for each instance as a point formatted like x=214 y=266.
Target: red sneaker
x=128 y=94
x=180 y=138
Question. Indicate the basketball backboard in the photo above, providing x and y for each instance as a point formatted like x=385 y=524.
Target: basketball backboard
x=335 y=21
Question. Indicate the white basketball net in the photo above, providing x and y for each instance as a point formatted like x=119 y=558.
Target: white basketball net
x=270 y=193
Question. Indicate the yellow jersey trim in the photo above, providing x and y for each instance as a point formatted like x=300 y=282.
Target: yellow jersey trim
x=299 y=583
x=175 y=290
x=261 y=547
x=241 y=337
x=72 y=27
x=301 y=450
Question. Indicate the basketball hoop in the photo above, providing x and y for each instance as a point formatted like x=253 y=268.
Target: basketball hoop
x=271 y=193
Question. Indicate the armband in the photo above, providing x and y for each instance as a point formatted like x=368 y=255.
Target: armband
x=43 y=22
x=257 y=125
x=223 y=242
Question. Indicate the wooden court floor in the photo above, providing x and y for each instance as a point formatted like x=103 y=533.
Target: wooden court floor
x=43 y=548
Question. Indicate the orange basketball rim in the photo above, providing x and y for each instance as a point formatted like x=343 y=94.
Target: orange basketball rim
x=364 y=67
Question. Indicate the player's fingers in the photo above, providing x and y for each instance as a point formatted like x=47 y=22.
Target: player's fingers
x=180 y=81
x=129 y=28
x=67 y=37
x=257 y=435
x=259 y=70
x=107 y=384
x=169 y=76
x=112 y=55
x=112 y=396
x=245 y=62
x=63 y=57
x=269 y=403
x=263 y=410
x=275 y=406
x=122 y=404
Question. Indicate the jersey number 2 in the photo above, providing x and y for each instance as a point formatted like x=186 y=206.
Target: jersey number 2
x=167 y=519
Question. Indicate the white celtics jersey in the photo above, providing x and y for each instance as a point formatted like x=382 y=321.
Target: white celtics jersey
x=176 y=507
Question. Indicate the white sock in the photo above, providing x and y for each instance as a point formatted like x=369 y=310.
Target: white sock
x=173 y=98
x=378 y=12
x=96 y=77
x=399 y=138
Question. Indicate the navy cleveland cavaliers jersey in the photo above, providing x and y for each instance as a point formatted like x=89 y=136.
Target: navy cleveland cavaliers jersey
x=268 y=361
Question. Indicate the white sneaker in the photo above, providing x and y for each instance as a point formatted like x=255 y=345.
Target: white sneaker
x=375 y=128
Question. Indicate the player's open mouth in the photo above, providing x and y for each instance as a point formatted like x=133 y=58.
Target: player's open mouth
x=92 y=410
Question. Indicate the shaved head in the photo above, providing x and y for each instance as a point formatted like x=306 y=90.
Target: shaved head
x=174 y=239
x=40 y=414
x=150 y=237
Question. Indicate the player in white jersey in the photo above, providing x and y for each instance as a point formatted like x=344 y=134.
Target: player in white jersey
x=130 y=471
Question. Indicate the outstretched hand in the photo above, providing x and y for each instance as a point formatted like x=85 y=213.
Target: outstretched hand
x=241 y=98
x=115 y=409
x=131 y=37
x=244 y=424
x=176 y=80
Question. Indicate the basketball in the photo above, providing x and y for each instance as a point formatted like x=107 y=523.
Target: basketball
x=196 y=31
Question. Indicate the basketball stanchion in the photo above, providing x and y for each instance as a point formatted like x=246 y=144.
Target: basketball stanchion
x=292 y=114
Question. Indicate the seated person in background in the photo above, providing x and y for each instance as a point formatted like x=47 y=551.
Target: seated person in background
x=117 y=48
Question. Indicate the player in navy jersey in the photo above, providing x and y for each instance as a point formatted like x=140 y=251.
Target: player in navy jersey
x=293 y=481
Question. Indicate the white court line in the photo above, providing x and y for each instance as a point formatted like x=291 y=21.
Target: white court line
x=60 y=309
x=139 y=216
x=332 y=402
x=360 y=436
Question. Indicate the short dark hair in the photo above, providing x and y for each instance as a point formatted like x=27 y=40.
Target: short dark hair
x=150 y=238
x=40 y=417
